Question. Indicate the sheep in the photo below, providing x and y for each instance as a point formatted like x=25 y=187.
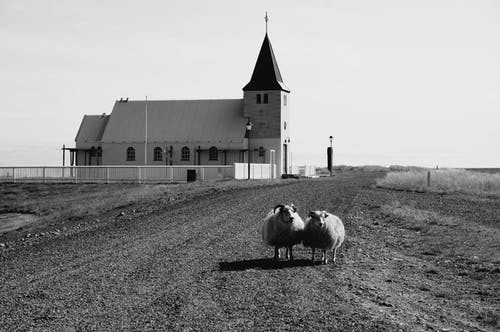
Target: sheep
x=282 y=227
x=323 y=231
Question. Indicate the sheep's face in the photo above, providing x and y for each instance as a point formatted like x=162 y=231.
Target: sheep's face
x=286 y=212
x=317 y=218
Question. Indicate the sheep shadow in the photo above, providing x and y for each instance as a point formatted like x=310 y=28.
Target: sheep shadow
x=264 y=264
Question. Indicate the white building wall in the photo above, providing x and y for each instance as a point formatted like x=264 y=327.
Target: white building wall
x=116 y=154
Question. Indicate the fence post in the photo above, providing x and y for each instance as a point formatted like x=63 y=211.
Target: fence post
x=76 y=175
x=138 y=175
x=171 y=174
x=203 y=174
x=428 y=178
x=107 y=175
x=43 y=175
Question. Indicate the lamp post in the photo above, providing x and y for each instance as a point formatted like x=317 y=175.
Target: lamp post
x=330 y=155
x=249 y=129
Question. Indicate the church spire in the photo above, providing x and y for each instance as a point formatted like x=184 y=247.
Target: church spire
x=266 y=74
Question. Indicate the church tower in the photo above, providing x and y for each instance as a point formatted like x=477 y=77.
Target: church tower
x=266 y=105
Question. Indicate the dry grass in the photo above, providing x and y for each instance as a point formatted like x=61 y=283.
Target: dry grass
x=53 y=202
x=446 y=180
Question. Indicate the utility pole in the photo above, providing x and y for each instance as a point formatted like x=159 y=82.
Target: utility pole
x=146 y=134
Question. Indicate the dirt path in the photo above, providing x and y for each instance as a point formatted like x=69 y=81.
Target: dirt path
x=411 y=262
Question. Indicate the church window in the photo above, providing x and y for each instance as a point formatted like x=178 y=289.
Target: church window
x=259 y=100
x=284 y=100
x=284 y=125
x=130 y=154
x=265 y=98
x=261 y=151
x=99 y=152
x=93 y=152
x=213 y=153
x=157 y=154
x=185 y=153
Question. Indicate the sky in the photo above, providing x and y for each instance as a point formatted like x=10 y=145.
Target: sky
x=394 y=82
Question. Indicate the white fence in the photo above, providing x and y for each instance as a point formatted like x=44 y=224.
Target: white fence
x=110 y=174
x=139 y=174
x=257 y=171
x=304 y=170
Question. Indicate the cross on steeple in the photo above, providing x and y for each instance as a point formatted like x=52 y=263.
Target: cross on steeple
x=266 y=19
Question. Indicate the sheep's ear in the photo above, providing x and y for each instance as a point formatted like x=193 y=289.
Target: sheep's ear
x=294 y=208
x=311 y=214
x=280 y=206
x=325 y=214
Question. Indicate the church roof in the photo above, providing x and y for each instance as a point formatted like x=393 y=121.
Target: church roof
x=266 y=74
x=91 y=128
x=202 y=121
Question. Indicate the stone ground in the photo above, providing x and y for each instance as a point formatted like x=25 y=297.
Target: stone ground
x=411 y=262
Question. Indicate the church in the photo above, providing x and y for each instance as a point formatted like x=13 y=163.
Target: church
x=195 y=132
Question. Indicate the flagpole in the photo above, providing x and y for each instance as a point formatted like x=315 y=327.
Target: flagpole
x=146 y=134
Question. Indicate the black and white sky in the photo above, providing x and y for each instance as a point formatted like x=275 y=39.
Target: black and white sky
x=394 y=82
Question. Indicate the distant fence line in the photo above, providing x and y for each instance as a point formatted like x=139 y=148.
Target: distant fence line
x=139 y=174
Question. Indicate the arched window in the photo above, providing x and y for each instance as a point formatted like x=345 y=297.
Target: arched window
x=130 y=154
x=213 y=154
x=284 y=100
x=99 y=152
x=93 y=152
x=259 y=96
x=157 y=154
x=185 y=153
x=265 y=98
x=261 y=151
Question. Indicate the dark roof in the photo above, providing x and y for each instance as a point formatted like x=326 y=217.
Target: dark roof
x=216 y=121
x=266 y=74
x=92 y=128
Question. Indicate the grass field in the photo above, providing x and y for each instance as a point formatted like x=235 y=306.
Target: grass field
x=52 y=204
x=191 y=258
x=445 y=181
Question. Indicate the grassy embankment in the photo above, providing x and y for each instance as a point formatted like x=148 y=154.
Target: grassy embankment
x=446 y=180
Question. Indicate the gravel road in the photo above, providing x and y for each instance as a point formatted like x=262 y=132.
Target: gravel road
x=411 y=262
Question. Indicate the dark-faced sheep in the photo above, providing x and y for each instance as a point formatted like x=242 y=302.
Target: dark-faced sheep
x=323 y=231
x=282 y=227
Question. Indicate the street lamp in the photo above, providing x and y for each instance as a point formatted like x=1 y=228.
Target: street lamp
x=249 y=128
x=329 y=154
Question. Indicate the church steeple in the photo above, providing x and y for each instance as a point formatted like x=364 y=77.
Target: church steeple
x=266 y=74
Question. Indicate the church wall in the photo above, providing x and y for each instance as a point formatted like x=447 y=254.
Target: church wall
x=271 y=122
x=267 y=144
x=116 y=154
x=285 y=131
x=264 y=117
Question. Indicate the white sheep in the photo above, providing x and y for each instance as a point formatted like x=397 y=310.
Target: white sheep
x=282 y=227
x=323 y=231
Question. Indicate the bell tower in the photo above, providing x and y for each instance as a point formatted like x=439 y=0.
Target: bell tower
x=266 y=104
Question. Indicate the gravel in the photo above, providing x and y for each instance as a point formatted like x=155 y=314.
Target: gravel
x=198 y=264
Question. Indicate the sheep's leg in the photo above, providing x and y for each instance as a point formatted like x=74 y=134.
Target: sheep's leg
x=276 y=253
x=286 y=253
x=291 y=254
x=325 y=257
x=334 y=255
x=312 y=258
